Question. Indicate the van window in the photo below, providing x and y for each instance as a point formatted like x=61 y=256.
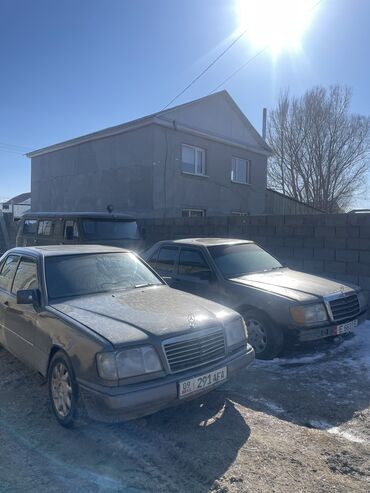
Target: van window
x=110 y=229
x=7 y=272
x=70 y=230
x=26 y=275
x=45 y=228
x=30 y=226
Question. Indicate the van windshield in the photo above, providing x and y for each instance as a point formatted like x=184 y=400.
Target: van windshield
x=110 y=229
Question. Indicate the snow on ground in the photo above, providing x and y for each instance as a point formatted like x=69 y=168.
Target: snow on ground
x=325 y=385
x=352 y=349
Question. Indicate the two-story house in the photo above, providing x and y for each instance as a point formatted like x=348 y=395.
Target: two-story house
x=199 y=158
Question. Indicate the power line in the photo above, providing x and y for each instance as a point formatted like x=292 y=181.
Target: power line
x=254 y=56
x=206 y=69
x=5 y=144
x=220 y=56
x=240 y=68
x=12 y=151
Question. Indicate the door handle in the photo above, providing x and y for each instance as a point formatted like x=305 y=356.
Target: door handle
x=5 y=303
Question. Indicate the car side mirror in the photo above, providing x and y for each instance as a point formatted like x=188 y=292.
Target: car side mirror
x=28 y=297
x=69 y=232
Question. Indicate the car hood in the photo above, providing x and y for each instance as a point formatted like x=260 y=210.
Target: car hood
x=295 y=285
x=138 y=314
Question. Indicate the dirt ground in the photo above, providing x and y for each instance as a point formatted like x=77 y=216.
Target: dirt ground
x=300 y=423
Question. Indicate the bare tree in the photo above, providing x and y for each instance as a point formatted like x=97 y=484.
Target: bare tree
x=320 y=151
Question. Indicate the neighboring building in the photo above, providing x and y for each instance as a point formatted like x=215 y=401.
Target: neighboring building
x=17 y=205
x=279 y=203
x=203 y=157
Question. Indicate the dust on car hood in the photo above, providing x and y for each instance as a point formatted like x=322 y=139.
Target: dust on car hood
x=298 y=286
x=136 y=315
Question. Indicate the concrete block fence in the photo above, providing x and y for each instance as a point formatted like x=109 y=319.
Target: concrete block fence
x=333 y=245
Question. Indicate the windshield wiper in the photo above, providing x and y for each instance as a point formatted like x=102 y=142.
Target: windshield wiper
x=144 y=285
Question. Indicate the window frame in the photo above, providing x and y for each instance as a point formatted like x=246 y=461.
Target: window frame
x=248 y=165
x=203 y=212
x=195 y=149
x=175 y=263
x=32 y=260
x=18 y=256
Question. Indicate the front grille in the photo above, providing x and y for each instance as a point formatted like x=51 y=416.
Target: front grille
x=345 y=307
x=193 y=350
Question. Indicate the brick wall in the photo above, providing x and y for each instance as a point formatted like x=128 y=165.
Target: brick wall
x=335 y=245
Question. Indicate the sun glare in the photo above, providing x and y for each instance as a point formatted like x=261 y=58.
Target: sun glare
x=278 y=24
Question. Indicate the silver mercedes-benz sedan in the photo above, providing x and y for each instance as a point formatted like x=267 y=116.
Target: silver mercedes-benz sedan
x=108 y=333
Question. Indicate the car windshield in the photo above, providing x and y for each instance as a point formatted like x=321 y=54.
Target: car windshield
x=79 y=275
x=245 y=258
x=110 y=229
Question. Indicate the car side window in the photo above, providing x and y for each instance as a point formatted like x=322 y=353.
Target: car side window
x=26 y=275
x=7 y=272
x=193 y=263
x=45 y=228
x=152 y=261
x=167 y=259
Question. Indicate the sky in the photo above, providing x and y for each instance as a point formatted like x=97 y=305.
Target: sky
x=71 y=67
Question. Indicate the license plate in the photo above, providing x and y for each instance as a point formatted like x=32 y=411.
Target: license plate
x=187 y=387
x=347 y=327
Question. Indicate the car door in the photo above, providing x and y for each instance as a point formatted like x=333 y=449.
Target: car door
x=195 y=275
x=8 y=268
x=21 y=320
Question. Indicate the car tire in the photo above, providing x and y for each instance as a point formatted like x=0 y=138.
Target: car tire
x=266 y=339
x=63 y=389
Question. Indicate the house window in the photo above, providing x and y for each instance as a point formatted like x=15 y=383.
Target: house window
x=45 y=228
x=240 y=170
x=193 y=160
x=193 y=212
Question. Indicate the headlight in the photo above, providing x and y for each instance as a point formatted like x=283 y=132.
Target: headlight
x=309 y=314
x=128 y=363
x=236 y=332
x=362 y=299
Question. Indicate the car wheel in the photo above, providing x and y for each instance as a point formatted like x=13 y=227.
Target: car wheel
x=63 y=391
x=266 y=340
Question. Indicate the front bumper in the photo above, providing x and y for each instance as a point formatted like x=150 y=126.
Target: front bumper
x=307 y=334
x=137 y=400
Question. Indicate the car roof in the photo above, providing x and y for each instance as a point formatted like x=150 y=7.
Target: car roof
x=86 y=215
x=57 y=250
x=207 y=241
